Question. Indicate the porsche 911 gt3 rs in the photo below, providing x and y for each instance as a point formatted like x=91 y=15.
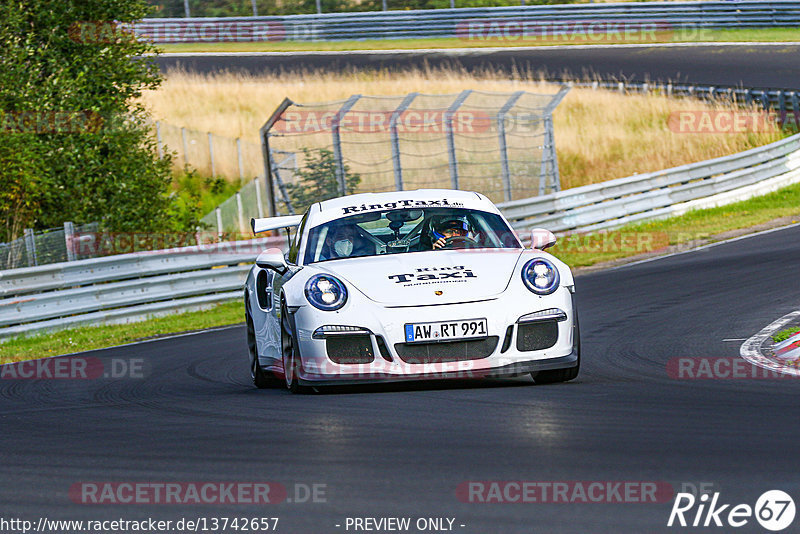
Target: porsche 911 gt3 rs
x=406 y=286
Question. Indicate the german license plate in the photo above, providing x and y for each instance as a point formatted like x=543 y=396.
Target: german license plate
x=446 y=330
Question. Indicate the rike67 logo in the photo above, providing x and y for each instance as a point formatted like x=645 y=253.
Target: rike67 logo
x=774 y=510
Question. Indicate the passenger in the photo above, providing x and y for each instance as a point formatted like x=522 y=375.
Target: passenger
x=346 y=241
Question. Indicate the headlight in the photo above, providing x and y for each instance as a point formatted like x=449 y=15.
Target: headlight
x=540 y=276
x=326 y=292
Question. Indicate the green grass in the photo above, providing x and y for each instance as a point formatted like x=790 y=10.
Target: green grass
x=783 y=335
x=696 y=35
x=578 y=251
x=98 y=337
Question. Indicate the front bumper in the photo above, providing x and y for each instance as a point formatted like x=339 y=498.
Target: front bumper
x=387 y=323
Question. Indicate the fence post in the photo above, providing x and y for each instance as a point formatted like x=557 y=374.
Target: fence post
x=266 y=154
x=795 y=106
x=159 y=141
x=30 y=247
x=239 y=158
x=211 y=153
x=337 y=142
x=255 y=8
x=69 y=233
x=395 y=139
x=185 y=146
x=451 y=142
x=276 y=170
x=186 y=8
x=549 y=148
x=219 y=222
x=501 y=132
x=259 y=202
x=240 y=212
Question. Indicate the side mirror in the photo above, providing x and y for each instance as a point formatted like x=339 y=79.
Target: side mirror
x=272 y=259
x=542 y=239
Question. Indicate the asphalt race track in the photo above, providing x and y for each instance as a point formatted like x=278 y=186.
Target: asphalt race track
x=748 y=65
x=403 y=450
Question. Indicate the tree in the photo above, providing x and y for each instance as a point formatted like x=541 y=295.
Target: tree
x=73 y=140
x=317 y=181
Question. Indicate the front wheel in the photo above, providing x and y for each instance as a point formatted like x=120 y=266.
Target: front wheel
x=290 y=353
x=261 y=379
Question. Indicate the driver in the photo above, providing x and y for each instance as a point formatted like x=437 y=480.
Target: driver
x=447 y=229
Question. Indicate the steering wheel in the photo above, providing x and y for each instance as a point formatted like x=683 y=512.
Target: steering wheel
x=460 y=242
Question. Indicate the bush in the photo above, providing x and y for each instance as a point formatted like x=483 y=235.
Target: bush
x=74 y=145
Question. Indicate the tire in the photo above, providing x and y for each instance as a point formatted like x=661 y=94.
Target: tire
x=553 y=376
x=261 y=379
x=289 y=353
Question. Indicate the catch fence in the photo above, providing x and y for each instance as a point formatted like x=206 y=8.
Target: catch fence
x=501 y=144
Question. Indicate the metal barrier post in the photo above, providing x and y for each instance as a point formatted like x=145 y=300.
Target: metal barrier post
x=240 y=212
x=239 y=158
x=259 y=202
x=69 y=232
x=395 y=139
x=451 y=143
x=30 y=247
x=185 y=147
x=337 y=142
x=501 y=132
x=219 y=222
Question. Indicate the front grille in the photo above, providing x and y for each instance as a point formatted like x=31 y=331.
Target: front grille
x=537 y=336
x=346 y=349
x=451 y=351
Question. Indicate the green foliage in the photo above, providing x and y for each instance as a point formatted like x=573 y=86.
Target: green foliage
x=73 y=144
x=317 y=181
x=84 y=338
x=196 y=195
x=783 y=335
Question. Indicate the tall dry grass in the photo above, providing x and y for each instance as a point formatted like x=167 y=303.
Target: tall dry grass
x=600 y=135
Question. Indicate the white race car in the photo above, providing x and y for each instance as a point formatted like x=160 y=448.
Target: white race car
x=406 y=286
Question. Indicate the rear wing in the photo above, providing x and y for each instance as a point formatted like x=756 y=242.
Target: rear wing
x=275 y=223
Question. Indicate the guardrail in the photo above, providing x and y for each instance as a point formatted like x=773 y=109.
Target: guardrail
x=785 y=100
x=661 y=194
x=125 y=287
x=514 y=21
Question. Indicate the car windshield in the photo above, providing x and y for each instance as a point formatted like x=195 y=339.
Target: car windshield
x=401 y=231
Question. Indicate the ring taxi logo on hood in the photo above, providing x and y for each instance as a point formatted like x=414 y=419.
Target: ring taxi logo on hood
x=400 y=204
x=434 y=274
